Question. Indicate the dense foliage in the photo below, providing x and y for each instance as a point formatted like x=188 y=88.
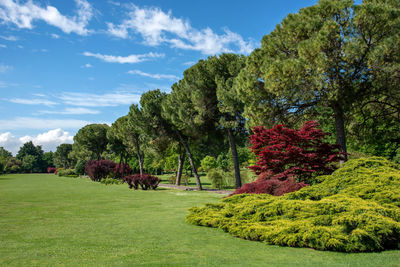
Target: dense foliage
x=286 y=153
x=145 y=181
x=272 y=186
x=355 y=209
x=99 y=169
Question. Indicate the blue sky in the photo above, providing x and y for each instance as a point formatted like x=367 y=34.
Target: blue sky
x=65 y=64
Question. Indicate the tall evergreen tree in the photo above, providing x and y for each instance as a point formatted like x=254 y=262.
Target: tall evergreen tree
x=326 y=55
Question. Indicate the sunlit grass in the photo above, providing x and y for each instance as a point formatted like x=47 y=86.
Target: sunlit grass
x=46 y=220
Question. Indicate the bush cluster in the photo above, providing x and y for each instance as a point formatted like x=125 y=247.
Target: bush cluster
x=51 y=169
x=216 y=177
x=118 y=169
x=272 y=186
x=110 y=181
x=355 y=209
x=67 y=173
x=145 y=181
x=99 y=169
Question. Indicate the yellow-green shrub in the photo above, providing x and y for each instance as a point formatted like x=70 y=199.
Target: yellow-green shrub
x=355 y=209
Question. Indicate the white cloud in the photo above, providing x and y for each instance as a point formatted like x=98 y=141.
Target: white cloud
x=33 y=101
x=3 y=46
x=128 y=59
x=4 y=68
x=72 y=111
x=38 y=123
x=9 y=38
x=10 y=142
x=157 y=27
x=100 y=100
x=23 y=15
x=55 y=36
x=155 y=75
x=48 y=140
x=87 y=66
x=189 y=63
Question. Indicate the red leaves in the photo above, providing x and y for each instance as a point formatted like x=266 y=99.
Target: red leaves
x=285 y=155
x=51 y=170
x=98 y=169
x=146 y=181
x=272 y=186
x=293 y=153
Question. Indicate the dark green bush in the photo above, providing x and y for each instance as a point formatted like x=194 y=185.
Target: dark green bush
x=355 y=209
x=67 y=173
x=80 y=167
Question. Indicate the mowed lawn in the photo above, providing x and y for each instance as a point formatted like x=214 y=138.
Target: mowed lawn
x=48 y=220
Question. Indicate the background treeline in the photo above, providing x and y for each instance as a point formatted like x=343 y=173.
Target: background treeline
x=335 y=62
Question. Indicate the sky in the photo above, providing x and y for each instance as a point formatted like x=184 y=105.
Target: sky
x=66 y=64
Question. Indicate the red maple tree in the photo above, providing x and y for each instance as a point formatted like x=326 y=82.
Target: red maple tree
x=285 y=152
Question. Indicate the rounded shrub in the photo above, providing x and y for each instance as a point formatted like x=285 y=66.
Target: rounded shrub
x=355 y=209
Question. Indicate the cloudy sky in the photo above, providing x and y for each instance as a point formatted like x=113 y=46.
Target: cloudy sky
x=65 y=64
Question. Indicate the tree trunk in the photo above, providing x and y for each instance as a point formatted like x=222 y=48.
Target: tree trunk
x=340 y=131
x=181 y=161
x=196 y=176
x=140 y=157
x=123 y=166
x=238 y=180
x=119 y=167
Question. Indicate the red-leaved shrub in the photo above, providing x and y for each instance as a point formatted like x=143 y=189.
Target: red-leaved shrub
x=118 y=169
x=99 y=169
x=146 y=181
x=272 y=186
x=51 y=169
x=285 y=152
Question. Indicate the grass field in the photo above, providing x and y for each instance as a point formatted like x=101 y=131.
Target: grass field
x=47 y=220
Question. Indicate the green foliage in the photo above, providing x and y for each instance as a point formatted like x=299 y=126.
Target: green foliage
x=80 y=167
x=208 y=163
x=217 y=178
x=28 y=163
x=355 y=209
x=61 y=159
x=110 y=181
x=91 y=139
x=67 y=173
x=31 y=157
x=48 y=158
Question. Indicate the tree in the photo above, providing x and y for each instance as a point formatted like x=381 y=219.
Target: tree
x=93 y=138
x=115 y=136
x=134 y=133
x=33 y=163
x=48 y=159
x=4 y=157
x=285 y=153
x=326 y=55
x=203 y=103
x=61 y=159
x=226 y=68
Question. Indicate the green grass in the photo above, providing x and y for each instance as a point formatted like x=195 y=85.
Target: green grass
x=46 y=220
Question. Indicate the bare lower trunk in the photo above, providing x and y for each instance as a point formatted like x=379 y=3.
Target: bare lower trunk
x=119 y=167
x=124 y=166
x=238 y=181
x=140 y=157
x=340 y=131
x=181 y=161
x=189 y=154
